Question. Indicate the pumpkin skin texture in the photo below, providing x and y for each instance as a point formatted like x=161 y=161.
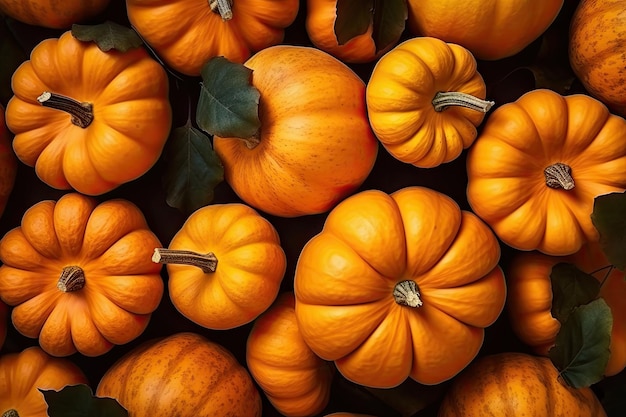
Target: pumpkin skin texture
x=354 y=301
x=315 y=146
x=401 y=94
x=8 y=164
x=248 y=266
x=492 y=29
x=530 y=300
x=128 y=93
x=515 y=384
x=54 y=14
x=295 y=380
x=79 y=274
x=22 y=373
x=183 y=375
x=599 y=64
x=187 y=33
x=507 y=183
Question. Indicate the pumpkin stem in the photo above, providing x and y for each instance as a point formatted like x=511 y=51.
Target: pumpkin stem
x=11 y=412
x=72 y=279
x=559 y=175
x=222 y=7
x=443 y=100
x=407 y=293
x=82 y=113
x=206 y=262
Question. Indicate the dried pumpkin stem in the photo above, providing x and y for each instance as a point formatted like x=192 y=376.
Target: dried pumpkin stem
x=82 y=113
x=559 y=175
x=72 y=279
x=223 y=7
x=206 y=262
x=10 y=413
x=443 y=100
x=407 y=293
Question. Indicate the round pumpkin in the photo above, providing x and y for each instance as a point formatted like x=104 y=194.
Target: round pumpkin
x=295 y=380
x=538 y=164
x=23 y=373
x=399 y=285
x=54 y=14
x=8 y=163
x=425 y=99
x=225 y=266
x=599 y=64
x=187 y=33
x=87 y=119
x=530 y=299
x=315 y=144
x=183 y=375
x=79 y=274
x=491 y=29
x=513 y=384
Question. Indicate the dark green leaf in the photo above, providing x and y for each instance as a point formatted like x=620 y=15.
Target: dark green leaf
x=229 y=103
x=389 y=22
x=609 y=218
x=581 y=351
x=571 y=288
x=354 y=17
x=108 y=35
x=192 y=169
x=12 y=56
x=79 y=401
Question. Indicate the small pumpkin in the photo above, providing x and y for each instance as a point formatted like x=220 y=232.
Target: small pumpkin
x=530 y=300
x=225 y=266
x=399 y=285
x=53 y=14
x=491 y=29
x=425 y=99
x=512 y=384
x=183 y=375
x=315 y=145
x=187 y=33
x=79 y=274
x=538 y=164
x=295 y=380
x=23 y=373
x=8 y=163
x=87 y=119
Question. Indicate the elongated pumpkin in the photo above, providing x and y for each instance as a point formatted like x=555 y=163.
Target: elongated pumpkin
x=8 y=164
x=87 y=119
x=79 y=274
x=538 y=164
x=425 y=99
x=398 y=286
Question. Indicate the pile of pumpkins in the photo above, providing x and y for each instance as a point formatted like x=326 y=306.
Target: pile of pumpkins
x=395 y=286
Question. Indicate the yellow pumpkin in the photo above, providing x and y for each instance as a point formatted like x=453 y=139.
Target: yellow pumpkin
x=8 y=164
x=397 y=286
x=54 y=14
x=424 y=99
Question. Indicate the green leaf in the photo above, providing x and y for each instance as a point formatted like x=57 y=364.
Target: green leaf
x=79 y=401
x=608 y=217
x=12 y=56
x=229 y=103
x=581 y=351
x=108 y=35
x=354 y=17
x=389 y=22
x=192 y=169
x=571 y=288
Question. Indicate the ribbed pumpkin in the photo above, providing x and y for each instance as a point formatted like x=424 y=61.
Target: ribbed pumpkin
x=8 y=163
x=398 y=286
x=182 y=375
x=54 y=14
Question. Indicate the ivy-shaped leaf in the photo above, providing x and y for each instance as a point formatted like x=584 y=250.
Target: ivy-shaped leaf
x=581 y=351
x=609 y=218
x=192 y=169
x=571 y=288
x=108 y=35
x=389 y=22
x=353 y=19
x=79 y=401
x=229 y=104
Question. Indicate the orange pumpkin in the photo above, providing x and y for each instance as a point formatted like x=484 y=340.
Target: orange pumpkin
x=315 y=144
x=225 y=266
x=23 y=374
x=398 y=286
x=530 y=300
x=8 y=163
x=182 y=375
x=79 y=274
x=87 y=119
x=54 y=14
x=187 y=33
x=294 y=379
x=538 y=164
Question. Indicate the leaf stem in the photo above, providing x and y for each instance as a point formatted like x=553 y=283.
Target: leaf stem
x=609 y=269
